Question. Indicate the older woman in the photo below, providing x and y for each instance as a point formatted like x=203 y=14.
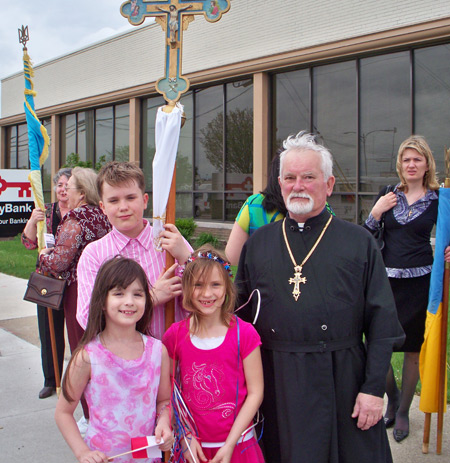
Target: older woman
x=85 y=222
x=410 y=212
x=53 y=214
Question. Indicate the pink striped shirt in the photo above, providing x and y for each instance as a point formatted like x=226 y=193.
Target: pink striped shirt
x=141 y=250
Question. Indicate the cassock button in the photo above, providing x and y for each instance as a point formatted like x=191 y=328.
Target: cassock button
x=324 y=327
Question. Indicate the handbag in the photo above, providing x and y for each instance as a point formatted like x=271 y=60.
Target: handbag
x=378 y=233
x=45 y=290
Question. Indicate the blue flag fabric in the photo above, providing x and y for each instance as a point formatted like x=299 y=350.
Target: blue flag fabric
x=430 y=353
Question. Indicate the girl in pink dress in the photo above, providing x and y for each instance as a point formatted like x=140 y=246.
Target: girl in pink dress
x=123 y=374
x=219 y=361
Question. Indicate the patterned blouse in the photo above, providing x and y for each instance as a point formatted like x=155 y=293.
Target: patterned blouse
x=77 y=229
x=405 y=213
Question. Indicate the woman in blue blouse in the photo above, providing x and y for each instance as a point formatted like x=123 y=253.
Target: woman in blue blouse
x=410 y=214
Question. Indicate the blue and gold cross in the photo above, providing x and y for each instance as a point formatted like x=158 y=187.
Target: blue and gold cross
x=174 y=16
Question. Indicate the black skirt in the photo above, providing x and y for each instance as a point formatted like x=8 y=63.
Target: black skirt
x=411 y=299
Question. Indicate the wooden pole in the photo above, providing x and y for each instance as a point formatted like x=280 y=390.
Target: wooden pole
x=426 y=433
x=443 y=359
x=51 y=325
x=170 y=218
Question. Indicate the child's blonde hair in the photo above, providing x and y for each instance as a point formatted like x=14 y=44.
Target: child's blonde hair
x=199 y=266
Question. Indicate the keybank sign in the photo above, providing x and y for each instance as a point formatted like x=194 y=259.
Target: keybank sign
x=16 y=201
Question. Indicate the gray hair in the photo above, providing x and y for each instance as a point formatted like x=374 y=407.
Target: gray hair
x=304 y=141
x=67 y=171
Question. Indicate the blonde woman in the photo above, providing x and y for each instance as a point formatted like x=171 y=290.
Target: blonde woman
x=410 y=213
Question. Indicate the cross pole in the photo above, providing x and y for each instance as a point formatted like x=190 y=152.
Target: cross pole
x=174 y=17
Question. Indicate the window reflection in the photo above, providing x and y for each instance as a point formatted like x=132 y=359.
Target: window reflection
x=239 y=136
x=185 y=175
x=68 y=136
x=335 y=117
x=208 y=206
x=149 y=109
x=432 y=98
x=104 y=133
x=385 y=117
x=11 y=148
x=209 y=129
x=122 y=132
x=85 y=135
x=22 y=148
x=292 y=108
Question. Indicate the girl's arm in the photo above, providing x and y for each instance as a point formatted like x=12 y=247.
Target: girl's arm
x=79 y=375
x=163 y=415
x=236 y=241
x=253 y=372
x=194 y=445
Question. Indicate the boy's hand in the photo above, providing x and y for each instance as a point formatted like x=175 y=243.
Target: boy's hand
x=167 y=286
x=173 y=242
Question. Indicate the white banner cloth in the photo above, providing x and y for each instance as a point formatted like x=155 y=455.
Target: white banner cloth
x=167 y=135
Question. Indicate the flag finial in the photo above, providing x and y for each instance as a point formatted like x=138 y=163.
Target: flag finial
x=23 y=36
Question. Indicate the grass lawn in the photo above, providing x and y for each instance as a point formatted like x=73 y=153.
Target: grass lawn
x=15 y=259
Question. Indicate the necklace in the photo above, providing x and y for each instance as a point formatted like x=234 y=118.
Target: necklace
x=298 y=278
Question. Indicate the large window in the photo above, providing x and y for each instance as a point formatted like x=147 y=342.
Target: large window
x=97 y=135
x=214 y=171
x=362 y=110
x=335 y=110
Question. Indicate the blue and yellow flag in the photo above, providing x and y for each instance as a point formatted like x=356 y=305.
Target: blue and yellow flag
x=430 y=352
x=38 y=143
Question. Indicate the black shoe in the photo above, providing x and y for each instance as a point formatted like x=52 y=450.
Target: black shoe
x=389 y=422
x=399 y=434
x=46 y=391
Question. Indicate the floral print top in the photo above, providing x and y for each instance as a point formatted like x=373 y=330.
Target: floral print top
x=78 y=228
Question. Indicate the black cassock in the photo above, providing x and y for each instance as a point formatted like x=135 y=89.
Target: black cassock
x=314 y=359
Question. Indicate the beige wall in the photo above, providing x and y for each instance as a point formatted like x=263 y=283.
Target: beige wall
x=251 y=30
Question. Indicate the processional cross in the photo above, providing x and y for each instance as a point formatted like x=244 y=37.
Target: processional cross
x=174 y=16
x=297 y=280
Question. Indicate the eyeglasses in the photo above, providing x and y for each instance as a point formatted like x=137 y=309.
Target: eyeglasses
x=70 y=188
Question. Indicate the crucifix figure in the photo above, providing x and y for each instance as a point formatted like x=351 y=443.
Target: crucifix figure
x=297 y=280
x=174 y=16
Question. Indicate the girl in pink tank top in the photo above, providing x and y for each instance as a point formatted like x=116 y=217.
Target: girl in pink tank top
x=123 y=373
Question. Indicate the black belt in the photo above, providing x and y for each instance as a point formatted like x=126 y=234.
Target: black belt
x=280 y=345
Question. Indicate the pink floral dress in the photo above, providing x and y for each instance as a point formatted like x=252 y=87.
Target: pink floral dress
x=122 y=398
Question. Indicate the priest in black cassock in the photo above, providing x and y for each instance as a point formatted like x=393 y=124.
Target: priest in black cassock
x=327 y=322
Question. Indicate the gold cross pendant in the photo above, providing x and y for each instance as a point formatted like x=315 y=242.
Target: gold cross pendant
x=297 y=280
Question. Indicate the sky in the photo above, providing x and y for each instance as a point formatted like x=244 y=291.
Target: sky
x=55 y=28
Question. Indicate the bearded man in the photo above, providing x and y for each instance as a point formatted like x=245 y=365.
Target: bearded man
x=327 y=321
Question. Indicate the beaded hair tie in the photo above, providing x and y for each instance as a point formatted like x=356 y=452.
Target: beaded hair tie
x=211 y=256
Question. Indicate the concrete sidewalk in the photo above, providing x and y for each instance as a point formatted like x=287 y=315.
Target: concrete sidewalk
x=28 y=433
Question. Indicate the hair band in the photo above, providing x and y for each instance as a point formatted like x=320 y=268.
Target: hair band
x=209 y=255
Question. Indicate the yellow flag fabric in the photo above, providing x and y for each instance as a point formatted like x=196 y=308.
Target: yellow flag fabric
x=430 y=354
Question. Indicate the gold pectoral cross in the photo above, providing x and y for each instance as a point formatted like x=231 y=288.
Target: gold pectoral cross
x=297 y=280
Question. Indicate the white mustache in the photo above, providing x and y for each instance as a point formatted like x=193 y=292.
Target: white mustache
x=299 y=195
